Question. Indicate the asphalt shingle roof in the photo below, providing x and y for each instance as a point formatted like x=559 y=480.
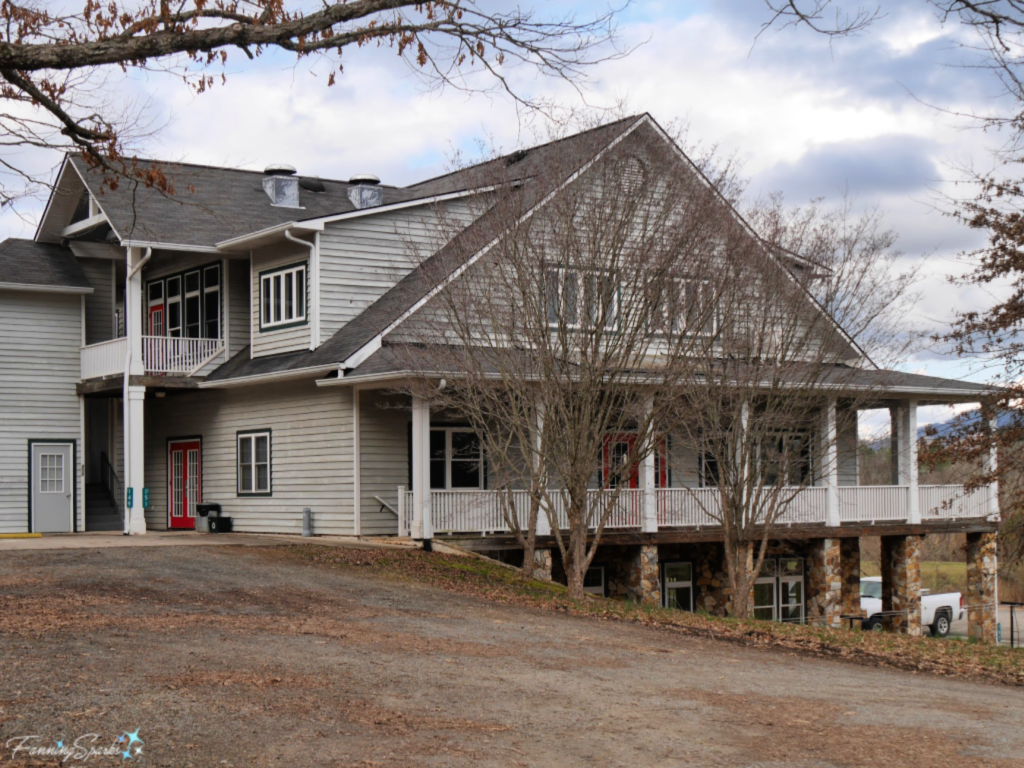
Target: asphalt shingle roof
x=418 y=283
x=26 y=262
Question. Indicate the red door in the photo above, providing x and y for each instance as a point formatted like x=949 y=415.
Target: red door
x=184 y=482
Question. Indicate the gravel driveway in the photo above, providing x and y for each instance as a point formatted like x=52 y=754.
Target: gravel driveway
x=250 y=657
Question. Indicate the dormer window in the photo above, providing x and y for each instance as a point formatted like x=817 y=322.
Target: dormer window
x=283 y=297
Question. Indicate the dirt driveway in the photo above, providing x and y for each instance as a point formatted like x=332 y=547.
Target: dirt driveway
x=253 y=657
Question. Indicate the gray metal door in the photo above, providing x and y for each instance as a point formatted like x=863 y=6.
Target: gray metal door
x=53 y=490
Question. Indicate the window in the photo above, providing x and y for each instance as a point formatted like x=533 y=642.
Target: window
x=283 y=297
x=174 y=307
x=51 y=473
x=785 y=458
x=456 y=459
x=690 y=309
x=193 y=304
x=211 y=302
x=791 y=590
x=678 y=586
x=575 y=298
x=254 y=463
x=187 y=304
x=871 y=589
x=593 y=580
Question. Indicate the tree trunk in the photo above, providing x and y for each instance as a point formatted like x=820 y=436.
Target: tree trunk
x=576 y=555
x=738 y=557
x=529 y=541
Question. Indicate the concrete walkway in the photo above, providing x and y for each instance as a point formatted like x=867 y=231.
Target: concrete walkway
x=115 y=539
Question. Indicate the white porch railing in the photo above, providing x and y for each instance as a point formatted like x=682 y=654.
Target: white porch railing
x=160 y=355
x=868 y=503
x=944 y=502
x=104 y=359
x=482 y=512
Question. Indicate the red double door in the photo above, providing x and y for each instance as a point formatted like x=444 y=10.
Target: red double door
x=616 y=454
x=184 y=482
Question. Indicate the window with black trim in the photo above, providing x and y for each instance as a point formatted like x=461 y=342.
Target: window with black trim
x=283 y=297
x=254 y=463
x=456 y=459
x=187 y=304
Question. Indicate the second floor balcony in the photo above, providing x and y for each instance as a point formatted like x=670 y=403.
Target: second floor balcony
x=161 y=356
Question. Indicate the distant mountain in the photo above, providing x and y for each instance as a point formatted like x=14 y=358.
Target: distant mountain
x=941 y=428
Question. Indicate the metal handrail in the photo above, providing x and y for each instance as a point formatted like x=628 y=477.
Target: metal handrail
x=112 y=483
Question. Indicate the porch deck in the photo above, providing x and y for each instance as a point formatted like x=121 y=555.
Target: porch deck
x=161 y=355
x=475 y=512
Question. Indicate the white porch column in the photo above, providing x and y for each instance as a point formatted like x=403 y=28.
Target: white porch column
x=134 y=399
x=543 y=522
x=421 y=521
x=134 y=458
x=830 y=463
x=991 y=464
x=907 y=458
x=649 y=523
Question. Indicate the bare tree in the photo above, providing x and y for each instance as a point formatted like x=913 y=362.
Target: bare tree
x=589 y=314
x=767 y=411
x=55 y=64
x=560 y=343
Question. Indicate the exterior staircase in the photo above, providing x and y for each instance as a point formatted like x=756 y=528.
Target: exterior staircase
x=101 y=514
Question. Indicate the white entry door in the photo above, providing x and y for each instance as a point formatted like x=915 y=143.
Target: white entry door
x=52 y=489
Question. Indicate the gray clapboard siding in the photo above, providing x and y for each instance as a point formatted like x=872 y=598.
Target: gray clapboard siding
x=311 y=453
x=361 y=259
x=847 y=458
x=238 y=309
x=288 y=339
x=383 y=458
x=39 y=367
x=99 y=305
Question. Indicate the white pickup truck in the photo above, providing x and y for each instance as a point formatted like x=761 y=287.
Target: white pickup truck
x=937 y=611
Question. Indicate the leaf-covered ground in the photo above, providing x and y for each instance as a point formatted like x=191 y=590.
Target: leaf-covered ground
x=481 y=578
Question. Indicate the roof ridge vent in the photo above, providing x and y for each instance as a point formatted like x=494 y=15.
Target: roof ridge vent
x=365 y=191
x=281 y=185
x=279 y=169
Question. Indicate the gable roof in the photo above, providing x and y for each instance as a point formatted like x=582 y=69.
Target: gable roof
x=28 y=265
x=419 y=282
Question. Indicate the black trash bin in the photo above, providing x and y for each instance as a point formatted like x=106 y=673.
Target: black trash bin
x=220 y=525
x=208 y=510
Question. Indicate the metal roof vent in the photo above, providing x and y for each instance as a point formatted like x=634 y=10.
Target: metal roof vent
x=281 y=186
x=366 y=191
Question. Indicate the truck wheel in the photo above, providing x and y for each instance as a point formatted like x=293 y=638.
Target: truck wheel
x=941 y=626
x=874 y=624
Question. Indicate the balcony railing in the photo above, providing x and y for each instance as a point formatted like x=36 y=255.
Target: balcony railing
x=160 y=355
x=483 y=512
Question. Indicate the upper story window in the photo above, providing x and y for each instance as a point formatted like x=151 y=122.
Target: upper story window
x=575 y=298
x=185 y=305
x=283 y=297
x=690 y=308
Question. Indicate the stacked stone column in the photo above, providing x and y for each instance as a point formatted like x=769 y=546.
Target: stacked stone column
x=824 y=582
x=542 y=562
x=980 y=599
x=901 y=583
x=849 y=566
x=643 y=584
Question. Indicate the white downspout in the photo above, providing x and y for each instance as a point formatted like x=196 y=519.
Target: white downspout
x=313 y=300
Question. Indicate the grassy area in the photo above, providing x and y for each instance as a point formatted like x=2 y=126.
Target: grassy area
x=498 y=583
x=935 y=576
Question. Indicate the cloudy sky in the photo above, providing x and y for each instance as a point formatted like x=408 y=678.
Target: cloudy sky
x=807 y=118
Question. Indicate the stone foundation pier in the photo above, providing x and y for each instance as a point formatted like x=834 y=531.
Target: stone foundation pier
x=542 y=564
x=980 y=600
x=901 y=583
x=643 y=581
x=824 y=582
x=849 y=567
